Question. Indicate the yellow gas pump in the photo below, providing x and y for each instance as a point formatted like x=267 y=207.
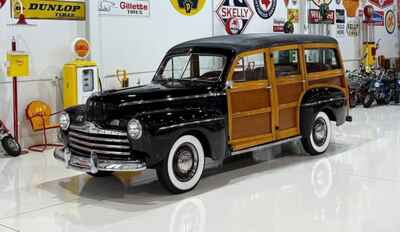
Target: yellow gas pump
x=79 y=76
x=368 y=38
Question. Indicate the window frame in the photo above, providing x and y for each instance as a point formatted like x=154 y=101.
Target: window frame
x=293 y=77
x=327 y=73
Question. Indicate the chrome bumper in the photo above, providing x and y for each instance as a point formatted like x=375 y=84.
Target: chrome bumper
x=93 y=164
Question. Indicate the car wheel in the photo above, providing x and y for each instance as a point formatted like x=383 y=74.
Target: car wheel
x=317 y=141
x=182 y=169
x=100 y=173
x=11 y=147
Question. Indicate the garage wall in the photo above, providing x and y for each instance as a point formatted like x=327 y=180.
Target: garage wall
x=48 y=44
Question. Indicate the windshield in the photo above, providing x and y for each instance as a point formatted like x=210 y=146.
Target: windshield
x=194 y=67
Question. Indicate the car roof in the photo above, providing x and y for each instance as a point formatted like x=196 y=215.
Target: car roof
x=245 y=42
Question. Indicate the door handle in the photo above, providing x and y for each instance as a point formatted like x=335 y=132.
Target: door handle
x=269 y=87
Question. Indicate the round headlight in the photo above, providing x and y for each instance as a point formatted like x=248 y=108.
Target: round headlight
x=64 y=121
x=134 y=129
x=377 y=84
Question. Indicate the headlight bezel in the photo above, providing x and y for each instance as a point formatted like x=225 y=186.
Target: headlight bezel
x=138 y=127
x=64 y=121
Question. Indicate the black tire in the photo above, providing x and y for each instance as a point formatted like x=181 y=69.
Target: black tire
x=368 y=100
x=10 y=145
x=396 y=97
x=317 y=140
x=100 y=173
x=181 y=171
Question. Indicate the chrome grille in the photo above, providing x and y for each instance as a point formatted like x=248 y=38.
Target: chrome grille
x=86 y=139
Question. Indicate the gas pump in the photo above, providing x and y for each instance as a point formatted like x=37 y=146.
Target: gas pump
x=368 y=50
x=80 y=76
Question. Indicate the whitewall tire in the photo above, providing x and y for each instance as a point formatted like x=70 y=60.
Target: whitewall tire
x=182 y=169
x=318 y=139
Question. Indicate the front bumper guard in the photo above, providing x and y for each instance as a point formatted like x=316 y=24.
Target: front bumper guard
x=93 y=165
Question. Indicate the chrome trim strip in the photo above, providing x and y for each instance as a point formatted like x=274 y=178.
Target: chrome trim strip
x=323 y=101
x=90 y=150
x=92 y=138
x=260 y=147
x=94 y=165
x=190 y=123
x=90 y=128
x=171 y=99
x=96 y=145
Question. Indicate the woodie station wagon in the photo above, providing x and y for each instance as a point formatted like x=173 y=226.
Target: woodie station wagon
x=212 y=97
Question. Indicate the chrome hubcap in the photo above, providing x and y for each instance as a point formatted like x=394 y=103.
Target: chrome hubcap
x=185 y=162
x=320 y=131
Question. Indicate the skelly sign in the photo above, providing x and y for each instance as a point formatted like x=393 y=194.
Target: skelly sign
x=235 y=15
x=51 y=9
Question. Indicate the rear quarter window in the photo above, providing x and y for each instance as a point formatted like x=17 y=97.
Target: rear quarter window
x=321 y=59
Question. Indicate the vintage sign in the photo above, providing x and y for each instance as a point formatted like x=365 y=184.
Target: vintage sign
x=293 y=15
x=238 y=13
x=378 y=18
x=129 y=7
x=351 y=7
x=314 y=17
x=51 y=9
x=353 y=29
x=2 y=2
x=340 y=17
x=390 y=22
x=381 y=3
x=265 y=8
x=188 y=7
x=286 y=2
x=340 y=29
x=319 y=2
x=278 y=25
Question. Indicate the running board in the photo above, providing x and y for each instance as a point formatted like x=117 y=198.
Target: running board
x=268 y=145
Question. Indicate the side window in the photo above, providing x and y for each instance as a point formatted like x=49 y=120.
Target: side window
x=321 y=59
x=250 y=68
x=286 y=62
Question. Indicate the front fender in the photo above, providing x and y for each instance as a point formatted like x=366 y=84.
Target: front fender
x=162 y=128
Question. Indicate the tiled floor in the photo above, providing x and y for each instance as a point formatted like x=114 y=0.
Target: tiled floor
x=354 y=187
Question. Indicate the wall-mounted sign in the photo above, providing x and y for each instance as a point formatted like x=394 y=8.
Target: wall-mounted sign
x=340 y=17
x=265 y=8
x=129 y=7
x=378 y=18
x=188 y=7
x=390 y=21
x=319 y=2
x=233 y=26
x=340 y=29
x=51 y=9
x=381 y=3
x=351 y=7
x=278 y=25
x=2 y=2
x=353 y=29
x=238 y=13
x=314 y=17
x=293 y=15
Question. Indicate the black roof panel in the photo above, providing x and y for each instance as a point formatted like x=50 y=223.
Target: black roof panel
x=245 y=42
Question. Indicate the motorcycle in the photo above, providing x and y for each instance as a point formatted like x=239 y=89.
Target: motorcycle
x=379 y=90
x=7 y=141
x=397 y=88
x=358 y=86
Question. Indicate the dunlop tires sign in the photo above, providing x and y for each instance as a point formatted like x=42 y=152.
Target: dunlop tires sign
x=51 y=9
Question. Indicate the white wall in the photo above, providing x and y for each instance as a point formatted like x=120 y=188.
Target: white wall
x=48 y=44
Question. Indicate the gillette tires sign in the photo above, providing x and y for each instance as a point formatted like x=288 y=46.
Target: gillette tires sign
x=127 y=8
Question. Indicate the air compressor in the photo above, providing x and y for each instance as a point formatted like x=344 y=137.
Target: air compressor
x=80 y=76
